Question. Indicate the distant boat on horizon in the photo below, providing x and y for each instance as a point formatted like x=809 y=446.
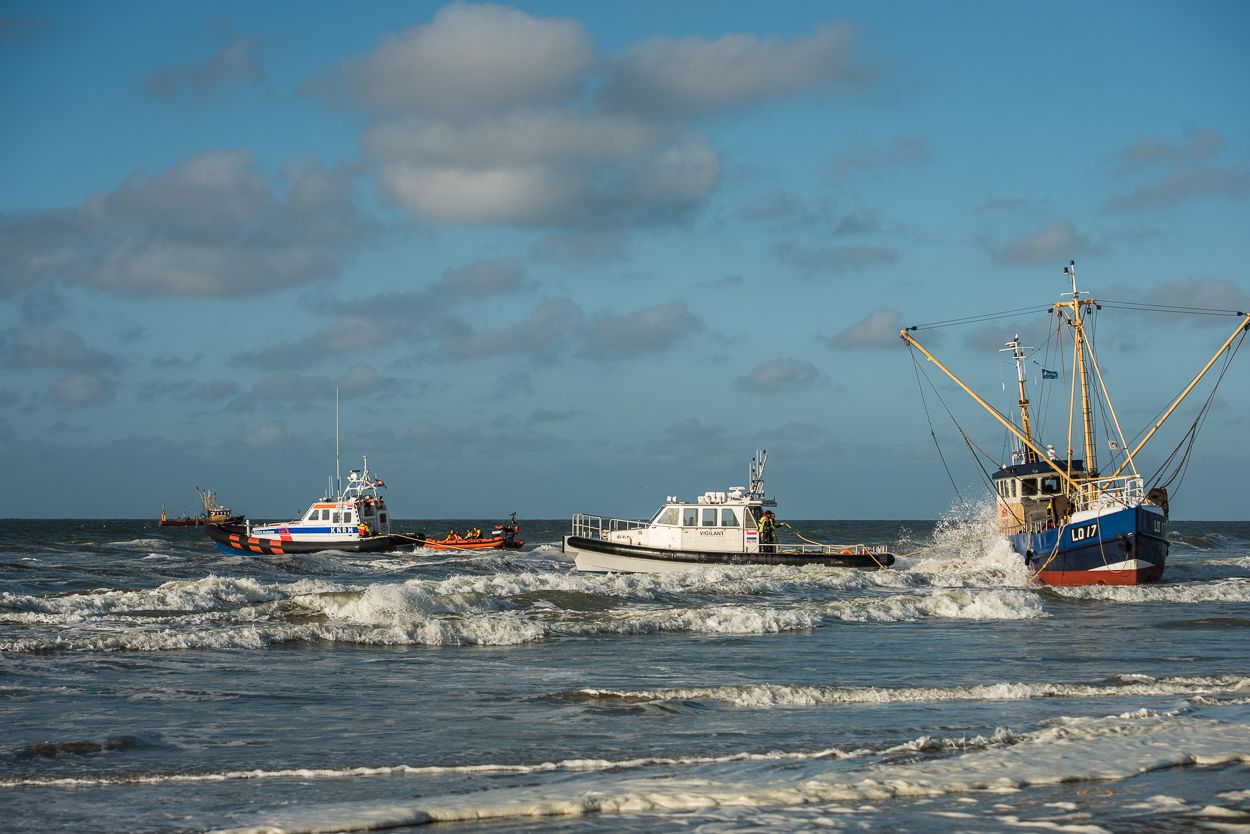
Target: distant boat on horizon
x=183 y=520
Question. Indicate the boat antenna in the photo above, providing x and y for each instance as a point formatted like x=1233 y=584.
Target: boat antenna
x=757 y=473
x=338 y=471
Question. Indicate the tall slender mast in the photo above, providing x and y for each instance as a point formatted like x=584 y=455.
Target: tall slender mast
x=1078 y=331
x=338 y=471
x=1026 y=424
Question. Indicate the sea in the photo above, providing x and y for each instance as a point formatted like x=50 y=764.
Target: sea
x=149 y=683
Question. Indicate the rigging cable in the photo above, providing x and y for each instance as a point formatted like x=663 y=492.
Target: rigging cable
x=1167 y=308
x=975 y=319
x=932 y=433
x=973 y=448
x=1191 y=435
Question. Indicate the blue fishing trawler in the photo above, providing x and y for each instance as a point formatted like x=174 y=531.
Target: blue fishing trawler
x=1073 y=523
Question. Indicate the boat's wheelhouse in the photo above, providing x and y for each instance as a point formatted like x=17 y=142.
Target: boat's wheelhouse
x=357 y=508
x=1032 y=497
x=717 y=522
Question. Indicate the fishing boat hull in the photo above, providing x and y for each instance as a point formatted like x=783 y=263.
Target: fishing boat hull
x=481 y=543
x=599 y=556
x=235 y=539
x=1125 y=546
x=181 y=522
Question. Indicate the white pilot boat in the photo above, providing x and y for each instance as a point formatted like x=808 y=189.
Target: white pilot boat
x=355 y=520
x=719 y=528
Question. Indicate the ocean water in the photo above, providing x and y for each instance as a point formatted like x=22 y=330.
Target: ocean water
x=150 y=684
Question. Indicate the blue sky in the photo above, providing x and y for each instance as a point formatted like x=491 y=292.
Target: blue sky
x=571 y=257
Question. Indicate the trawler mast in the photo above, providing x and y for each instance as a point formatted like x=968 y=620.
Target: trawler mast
x=1027 y=455
x=1076 y=321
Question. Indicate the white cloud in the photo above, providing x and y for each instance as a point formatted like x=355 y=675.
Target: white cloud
x=558 y=328
x=347 y=334
x=483 y=277
x=212 y=225
x=861 y=156
x=266 y=436
x=546 y=335
x=485 y=116
x=1154 y=150
x=83 y=389
x=469 y=60
x=36 y=347
x=1171 y=173
x=515 y=139
x=235 y=65
x=611 y=336
x=777 y=376
x=680 y=78
x=821 y=259
x=1055 y=242
x=879 y=329
x=530 y=195
x=1184 y=185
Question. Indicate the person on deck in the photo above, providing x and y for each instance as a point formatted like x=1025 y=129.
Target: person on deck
x=768 y=532
x=363 y=529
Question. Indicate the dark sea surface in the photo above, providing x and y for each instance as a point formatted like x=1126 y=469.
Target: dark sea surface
x=150 y=684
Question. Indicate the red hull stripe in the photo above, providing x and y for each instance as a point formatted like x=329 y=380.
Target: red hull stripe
x=1069 y=578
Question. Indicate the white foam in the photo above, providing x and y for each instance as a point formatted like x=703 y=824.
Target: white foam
x=968 y=548
x=144 y=544
x=480 y=608
x=1107 y=749
x=764 y=696
x=568 y=765
x=1227 y=590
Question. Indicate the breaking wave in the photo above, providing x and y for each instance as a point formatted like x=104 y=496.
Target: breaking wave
x=765 y=696
x=495 y=609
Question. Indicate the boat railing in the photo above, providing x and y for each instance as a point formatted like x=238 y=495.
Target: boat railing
x=1125 y=491
x=594 y=526
x=833 y=549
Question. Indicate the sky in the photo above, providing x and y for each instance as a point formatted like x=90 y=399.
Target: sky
x=562 y=257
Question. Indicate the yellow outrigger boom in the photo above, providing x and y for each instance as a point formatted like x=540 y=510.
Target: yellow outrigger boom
x=1244 y=325
x=994 y=412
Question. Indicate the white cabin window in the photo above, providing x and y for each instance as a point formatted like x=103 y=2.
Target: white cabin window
x=709 y=517
x=1050 y=485
x=347 y=517
x=728 y=518
x=668 y=515
x=367 y=509
x=338 y=518
x=1015 y=489
x=1029 y=485
x=689 y=517
x=325 y=515
x=382 y=518
x=312 y=515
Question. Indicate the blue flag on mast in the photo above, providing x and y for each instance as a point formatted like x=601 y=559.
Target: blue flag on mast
x=1049 y=374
